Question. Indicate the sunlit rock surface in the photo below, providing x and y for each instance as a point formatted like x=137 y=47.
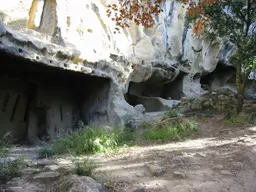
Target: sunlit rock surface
x=83 y=25
x=76 y=35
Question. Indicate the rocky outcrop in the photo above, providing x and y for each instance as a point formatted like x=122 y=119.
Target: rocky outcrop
x=80 y=184
x=222 y=99
x=36 y=179
x=76 y=36
x=83 y=25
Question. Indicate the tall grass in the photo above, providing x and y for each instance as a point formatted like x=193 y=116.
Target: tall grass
x=5 y=143
x=8 y=168
x=173 y=131
x=90 y=140
x=85 y=167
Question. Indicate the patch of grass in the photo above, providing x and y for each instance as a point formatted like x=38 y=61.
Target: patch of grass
x=201 y=118
x=90 y=141
x=251 y=113
x=45 y=153
x=173 y=113
x=174 y=130
x=5 y=143
x=237 y=120
x=9 y=170
x=85 y=168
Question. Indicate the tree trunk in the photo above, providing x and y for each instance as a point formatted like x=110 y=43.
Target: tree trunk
x=240 y=103
x=240 y=87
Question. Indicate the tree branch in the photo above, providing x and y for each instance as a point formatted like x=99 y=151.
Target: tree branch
x=248 y=20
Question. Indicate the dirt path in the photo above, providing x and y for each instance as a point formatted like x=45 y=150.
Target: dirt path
x=223 y=159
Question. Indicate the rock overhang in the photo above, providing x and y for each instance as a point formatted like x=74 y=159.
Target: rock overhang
x=41 y=101
x=166 y=54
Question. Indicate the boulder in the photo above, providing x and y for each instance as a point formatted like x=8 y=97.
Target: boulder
x=47 y=176
x=74 y=183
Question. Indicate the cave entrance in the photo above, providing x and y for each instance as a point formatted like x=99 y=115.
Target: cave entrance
x=222 y=76
x=38 y=101
x=155 y=97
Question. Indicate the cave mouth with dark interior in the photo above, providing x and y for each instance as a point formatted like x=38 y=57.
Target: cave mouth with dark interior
x=223 y=75
x=155 y=97
x=39 y=101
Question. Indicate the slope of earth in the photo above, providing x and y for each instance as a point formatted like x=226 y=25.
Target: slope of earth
x=222 y=159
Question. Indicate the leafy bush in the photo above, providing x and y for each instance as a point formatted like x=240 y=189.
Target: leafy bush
x=175 y=129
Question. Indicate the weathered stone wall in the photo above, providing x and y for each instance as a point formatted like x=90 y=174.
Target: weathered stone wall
x=38 y=101
x=223 y=99
x=13 y=100
x=76 y=35
x=83 y=25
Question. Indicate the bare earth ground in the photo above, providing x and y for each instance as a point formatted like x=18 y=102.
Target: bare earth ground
x=222 y=159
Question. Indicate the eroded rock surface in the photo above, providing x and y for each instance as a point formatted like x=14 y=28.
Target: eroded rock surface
x=166 y=61
x=36 y=179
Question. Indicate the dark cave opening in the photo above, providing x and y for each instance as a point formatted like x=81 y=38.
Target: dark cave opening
x=155 y=97
x=41 y=101
x=223 y=75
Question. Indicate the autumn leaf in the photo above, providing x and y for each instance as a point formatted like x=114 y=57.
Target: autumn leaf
x=144 y=13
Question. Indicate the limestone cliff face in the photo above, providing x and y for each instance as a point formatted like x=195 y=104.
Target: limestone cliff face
x=83 y=25
x=77 y=35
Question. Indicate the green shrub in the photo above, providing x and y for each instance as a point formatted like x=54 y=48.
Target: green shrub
x=91 y=141
x=171 y=132
x=85 y=168
x=45 y=152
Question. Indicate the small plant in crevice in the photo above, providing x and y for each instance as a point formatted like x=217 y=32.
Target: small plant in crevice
x=85 y=167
